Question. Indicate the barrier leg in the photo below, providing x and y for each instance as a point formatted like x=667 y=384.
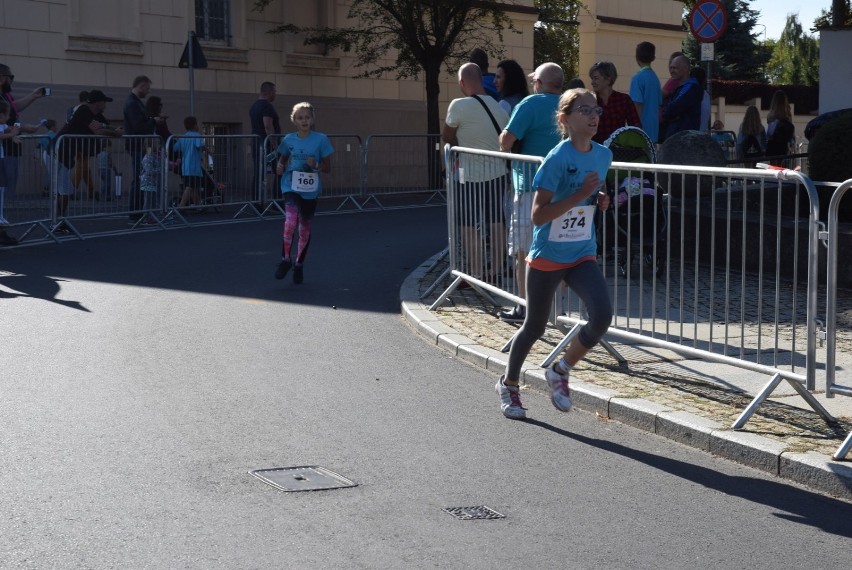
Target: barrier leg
x=769 y=388
x=844 y=448
x=449 y=291
x=437 y=282
x=575 y=330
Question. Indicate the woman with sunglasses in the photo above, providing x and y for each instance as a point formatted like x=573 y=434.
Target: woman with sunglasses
x=618 y=107
x=568 y=186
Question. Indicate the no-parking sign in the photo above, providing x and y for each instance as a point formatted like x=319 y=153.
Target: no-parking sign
x=708 y=20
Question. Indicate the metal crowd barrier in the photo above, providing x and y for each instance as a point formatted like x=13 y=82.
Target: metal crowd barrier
x=237 y=182
x=402 y=164
x=714 y=263
x=833 y=237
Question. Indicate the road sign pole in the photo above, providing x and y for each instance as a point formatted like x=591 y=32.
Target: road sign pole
x=191 y=75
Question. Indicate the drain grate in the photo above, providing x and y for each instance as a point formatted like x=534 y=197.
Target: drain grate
x=473 y=513
x=303 y=478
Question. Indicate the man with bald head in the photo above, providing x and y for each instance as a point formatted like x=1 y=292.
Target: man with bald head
x=475 y=121
x=683 y=110
x=533 y=124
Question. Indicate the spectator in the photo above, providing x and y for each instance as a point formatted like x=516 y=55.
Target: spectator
x=307 y=153
x=618 y=108
x=137 y=122
x=88 y=119
x=150 y=180
x=6 y=133
x=475 y=121
x=107 y=172
x=646 y=92
x=569 y=184
x=480 y=58
x=12 y=148
x=511 y=82
x=533 y=126
x=154 y=109
x=780 y=131
x=683 y=111
x=751 y=138
x=190 y=147
x=575 y=83
x=264 y=123
x=82 y=97
x=700 y=76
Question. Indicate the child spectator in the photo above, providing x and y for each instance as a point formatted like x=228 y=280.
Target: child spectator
x=107 y=171
x=149 y=182
x=306 y=154
x=751 y=138
x=190 y=147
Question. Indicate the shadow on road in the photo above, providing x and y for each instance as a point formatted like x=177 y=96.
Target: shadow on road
x=799 y=505
x=355 y=261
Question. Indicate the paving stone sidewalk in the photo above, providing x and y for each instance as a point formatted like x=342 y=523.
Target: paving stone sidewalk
x=658 y=390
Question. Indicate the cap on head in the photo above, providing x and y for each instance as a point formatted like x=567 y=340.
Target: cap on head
x=96 y=96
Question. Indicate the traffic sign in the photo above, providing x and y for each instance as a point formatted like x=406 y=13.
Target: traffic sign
x=708 y=20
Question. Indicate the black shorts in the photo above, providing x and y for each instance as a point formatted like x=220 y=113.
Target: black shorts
x=194 y=182
x=481 y=202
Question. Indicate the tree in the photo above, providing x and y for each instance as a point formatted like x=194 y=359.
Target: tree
x=555 y=35
x=795 y=59
x=739 y=55
x=838 y=16
x=410 y=37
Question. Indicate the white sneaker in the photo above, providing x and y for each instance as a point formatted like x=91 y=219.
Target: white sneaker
x=510 y=401
x=560 y=394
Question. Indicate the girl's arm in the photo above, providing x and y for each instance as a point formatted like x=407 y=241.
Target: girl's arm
x=543 y=210
x=281 y=164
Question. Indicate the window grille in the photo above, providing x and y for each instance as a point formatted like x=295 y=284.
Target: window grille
x=212 y=21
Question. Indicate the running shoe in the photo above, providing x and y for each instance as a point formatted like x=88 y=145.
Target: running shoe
x=560 y=394
x=516 y=315
x=283 y=268
x=298 y=275
x=510 y=401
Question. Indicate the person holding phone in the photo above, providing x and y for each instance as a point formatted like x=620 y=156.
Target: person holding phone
x=12 y=149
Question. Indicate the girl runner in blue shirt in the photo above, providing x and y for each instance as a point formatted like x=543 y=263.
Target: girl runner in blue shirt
x=567 y=185
x=306 y=154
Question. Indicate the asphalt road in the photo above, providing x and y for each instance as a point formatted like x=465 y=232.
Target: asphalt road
x=143 y=377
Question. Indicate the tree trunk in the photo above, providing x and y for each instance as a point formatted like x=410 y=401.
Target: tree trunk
x=433 y=122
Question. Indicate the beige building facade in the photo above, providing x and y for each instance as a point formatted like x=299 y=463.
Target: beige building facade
x=73 y=45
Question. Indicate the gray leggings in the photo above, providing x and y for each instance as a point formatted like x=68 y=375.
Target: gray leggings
x=587 y=281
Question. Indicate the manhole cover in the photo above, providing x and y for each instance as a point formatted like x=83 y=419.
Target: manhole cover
x=473 y=513
x=303 y=478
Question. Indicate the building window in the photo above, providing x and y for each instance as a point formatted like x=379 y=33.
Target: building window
x=212 y=21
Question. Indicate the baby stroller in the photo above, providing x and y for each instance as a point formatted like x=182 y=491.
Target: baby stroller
x=637 y=213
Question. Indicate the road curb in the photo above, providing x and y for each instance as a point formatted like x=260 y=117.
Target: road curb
x=812 y=469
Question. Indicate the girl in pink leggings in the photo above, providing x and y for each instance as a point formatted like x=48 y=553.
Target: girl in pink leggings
x=301 y=157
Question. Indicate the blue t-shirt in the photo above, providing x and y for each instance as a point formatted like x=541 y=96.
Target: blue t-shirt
x=533 y=122
x=562 y=173
x=645 y=89
x=298 y=149
x=189 y=147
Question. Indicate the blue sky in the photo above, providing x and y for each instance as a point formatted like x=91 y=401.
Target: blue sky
x=773 y=14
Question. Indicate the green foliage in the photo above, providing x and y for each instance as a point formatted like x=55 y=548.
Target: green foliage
x=828 y=152
x=795 y=57
x=556 y=38
x=838 y=16
x=410 y=37
x=738 y=53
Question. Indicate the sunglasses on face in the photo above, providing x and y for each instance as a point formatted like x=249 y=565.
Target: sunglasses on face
x=588 y=111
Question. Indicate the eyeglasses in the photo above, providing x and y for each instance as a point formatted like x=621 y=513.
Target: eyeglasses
x=11 y=77
x=588 y=111
x=534 y=80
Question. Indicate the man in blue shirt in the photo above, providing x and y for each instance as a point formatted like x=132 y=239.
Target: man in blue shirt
x=646 y=92
x=533 y=123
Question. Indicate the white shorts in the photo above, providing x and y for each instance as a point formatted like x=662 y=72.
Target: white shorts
x=520 y=230
x=64 y=187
